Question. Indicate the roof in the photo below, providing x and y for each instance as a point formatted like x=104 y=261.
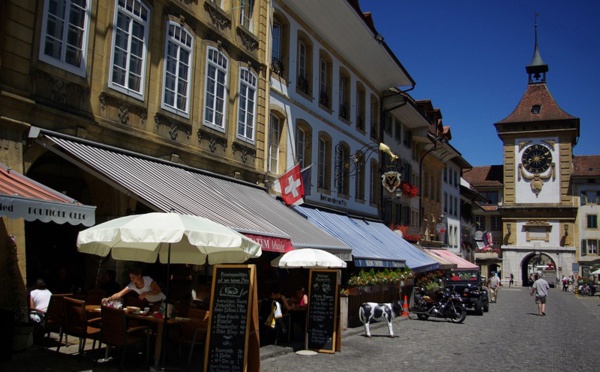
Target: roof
x=23 y=197
x=166 y=186
x=586 y=166
x=460 y=262
x=536 y=94
x=485 y=176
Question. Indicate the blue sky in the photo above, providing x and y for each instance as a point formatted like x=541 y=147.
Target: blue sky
x=469 y=56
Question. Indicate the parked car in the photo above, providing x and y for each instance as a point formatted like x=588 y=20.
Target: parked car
x=469 y=284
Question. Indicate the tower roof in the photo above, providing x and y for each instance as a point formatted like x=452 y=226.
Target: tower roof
x=537 y=104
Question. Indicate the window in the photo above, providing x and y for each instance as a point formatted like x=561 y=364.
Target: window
x=304 y=67
x=496 y=223
x=325 y=76
x=247 y=105
x=274 y=138
x=177 y=73
x=216 y=89
x=344 y=96
x=388 y=123
x=375 y=183
x=65 y=28
x=583 y=247
x=324 y=163
x=491 y=197
x=360 y=107
x=246 y=13
x=301 y=146
x=592 y=221
x=456 y=211
x=276 y=34
x=446 y=174
x=359 y=181
x=480 y=222
x=398 y=131
x=130 y=44
x=342 y=175
x=408 y=138
x=445 y=202
x=374 y=118
x=592 y=246
x=583 y=198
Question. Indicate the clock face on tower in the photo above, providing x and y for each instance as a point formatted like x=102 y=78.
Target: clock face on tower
x=536 y=159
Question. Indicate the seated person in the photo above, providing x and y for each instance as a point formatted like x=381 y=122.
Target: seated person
x=39 y=299
x=300 y=299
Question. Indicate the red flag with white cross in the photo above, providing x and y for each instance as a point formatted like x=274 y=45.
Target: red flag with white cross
x=292 y=187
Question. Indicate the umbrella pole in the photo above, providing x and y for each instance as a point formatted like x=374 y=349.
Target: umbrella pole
x=167 y=289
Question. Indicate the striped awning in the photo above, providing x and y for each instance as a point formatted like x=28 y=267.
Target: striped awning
x=23 y=197
x=166 y=186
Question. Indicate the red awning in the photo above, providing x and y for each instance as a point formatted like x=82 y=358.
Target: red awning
x=22 y=197
x=460 y=262
x=271 y=244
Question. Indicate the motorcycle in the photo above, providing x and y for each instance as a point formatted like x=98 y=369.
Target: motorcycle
x=446 y=305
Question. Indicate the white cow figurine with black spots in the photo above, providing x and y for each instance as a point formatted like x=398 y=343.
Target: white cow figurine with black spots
x=373 y=311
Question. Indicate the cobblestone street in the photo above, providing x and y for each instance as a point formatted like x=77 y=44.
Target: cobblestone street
x=511 y=337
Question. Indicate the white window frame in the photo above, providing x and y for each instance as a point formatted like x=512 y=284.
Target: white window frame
x=219 y=62
x=134 y=14
x=247 y=105
x=246 y=14
x=302 y=50
x=301 y=146
x=274 y=138
x=322 y=164
x=61 y=62
x=177 y=69
x=323 y=78
x=592 y=248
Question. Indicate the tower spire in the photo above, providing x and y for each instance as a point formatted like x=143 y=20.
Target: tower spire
x=537 y=68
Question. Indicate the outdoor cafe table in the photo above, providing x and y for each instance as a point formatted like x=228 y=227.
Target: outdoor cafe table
x=150 y=319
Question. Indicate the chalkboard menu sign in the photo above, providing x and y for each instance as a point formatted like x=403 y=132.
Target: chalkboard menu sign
x=322 y=310
x=230 y=312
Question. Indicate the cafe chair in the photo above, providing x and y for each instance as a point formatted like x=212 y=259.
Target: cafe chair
x=75 y=323
x=191 y=334
x=116 y=333
x=54 y=317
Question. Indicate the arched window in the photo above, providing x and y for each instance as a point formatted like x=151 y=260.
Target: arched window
x=324 y=162
x=246 y=105
x=215 y=99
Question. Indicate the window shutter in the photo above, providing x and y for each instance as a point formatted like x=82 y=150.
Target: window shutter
x=583 y=247
x=583 y=199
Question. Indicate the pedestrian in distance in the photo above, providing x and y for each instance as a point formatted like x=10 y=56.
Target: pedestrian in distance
x=493 y=285
x=540 y=288
x=511 y=282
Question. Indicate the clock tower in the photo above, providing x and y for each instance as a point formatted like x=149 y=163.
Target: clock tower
x=538 y=212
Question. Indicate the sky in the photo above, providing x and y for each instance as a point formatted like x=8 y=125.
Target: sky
x=469 y=56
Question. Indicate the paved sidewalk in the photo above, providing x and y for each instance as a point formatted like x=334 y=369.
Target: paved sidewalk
x=37 y=359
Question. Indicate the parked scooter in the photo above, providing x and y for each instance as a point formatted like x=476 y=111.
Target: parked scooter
x=446 y=305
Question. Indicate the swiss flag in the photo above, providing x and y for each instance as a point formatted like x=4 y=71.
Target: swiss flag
x=292 y=188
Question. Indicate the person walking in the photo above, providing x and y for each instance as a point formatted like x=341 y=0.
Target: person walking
x=511 y=282
x=540 y=288
x=493 y=285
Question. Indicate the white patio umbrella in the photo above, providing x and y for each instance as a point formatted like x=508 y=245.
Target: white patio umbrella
x=596 y=272
x=169 y=237
x=308 y=258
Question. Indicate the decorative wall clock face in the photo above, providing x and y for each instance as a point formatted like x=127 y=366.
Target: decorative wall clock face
x=536 y=159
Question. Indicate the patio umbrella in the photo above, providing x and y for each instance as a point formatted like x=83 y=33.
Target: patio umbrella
x=597 y=272
x=168 y=237
x=308 y=258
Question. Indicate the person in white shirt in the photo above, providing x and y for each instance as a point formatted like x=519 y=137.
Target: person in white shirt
x=541 y=289
x=146 y=288
x=39 y=299
x=493 y=285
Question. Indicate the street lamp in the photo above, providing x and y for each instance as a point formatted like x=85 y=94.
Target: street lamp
x=435 y=143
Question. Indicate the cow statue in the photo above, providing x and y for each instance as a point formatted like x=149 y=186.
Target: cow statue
x=369 y=311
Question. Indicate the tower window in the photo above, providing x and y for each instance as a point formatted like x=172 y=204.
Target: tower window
x=535 y=109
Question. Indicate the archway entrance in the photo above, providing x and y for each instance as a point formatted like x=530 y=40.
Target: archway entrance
x=536 y=262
